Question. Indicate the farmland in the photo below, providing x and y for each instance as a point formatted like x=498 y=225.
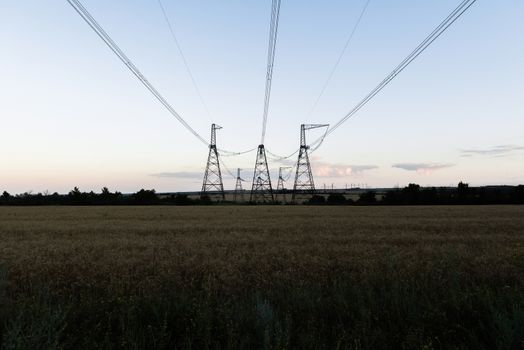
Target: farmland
x=262 y=277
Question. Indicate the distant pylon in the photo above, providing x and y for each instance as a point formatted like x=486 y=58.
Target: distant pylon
x=213 y=184
x=239 y=192
x=304 y=183
x=261 y=190
x=280 y=186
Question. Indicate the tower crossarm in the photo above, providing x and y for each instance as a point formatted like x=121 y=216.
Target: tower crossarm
x=314 y=126
x=214 y=128
x=305 y=127
x=280 y=171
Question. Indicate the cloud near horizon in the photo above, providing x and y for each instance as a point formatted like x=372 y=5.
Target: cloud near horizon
x=495 y=151
x=422 y=168
x=324 y=169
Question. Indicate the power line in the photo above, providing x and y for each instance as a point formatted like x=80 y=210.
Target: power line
x=456 y=14
x=291 y=170
x=226 y=167
x=86 y=16
x=273 y=30
x=276 y=157
x=175 y=40
x=437 y=32
x=348 y=41
x=234 y=154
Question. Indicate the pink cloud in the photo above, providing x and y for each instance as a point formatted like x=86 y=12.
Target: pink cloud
x=324 y=169
x=422 y=168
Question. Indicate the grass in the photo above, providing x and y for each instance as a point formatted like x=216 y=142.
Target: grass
x=262 y=277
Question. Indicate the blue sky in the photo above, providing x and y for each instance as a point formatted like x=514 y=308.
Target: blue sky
x=73 y=115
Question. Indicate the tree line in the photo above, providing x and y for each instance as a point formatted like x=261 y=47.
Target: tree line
x=105 y=197
x=412 y=194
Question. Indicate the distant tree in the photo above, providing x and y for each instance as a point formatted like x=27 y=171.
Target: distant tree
x=367 y=198
x=75 y=197
x=463 y=188
x=182 y=199
x=145 y=197
x=5 y=198
x=392 y=197
x=428 y=196
x=26 y=194
x=55 y=198
x=75 y=192
x=316 y=200
x=518 y=194
x=107 y=197
x=336 y=199
x=463 y=192
x=411 y=194
x=413 y=187
x=205 y=200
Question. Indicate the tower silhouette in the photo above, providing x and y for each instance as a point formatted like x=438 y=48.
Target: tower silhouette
x=304 y=183
x=239 y=192
x=261 y=190
x=281 y=191
x=213 y=185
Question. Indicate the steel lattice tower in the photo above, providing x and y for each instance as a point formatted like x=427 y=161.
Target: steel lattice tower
x=239 y=192
x=213 y=184
x=261 y=190
x=280 y=186
x=304 y=183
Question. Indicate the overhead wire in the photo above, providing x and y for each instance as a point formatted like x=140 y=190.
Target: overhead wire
x=339 y=59
x=234 y=154
x=436 y=33
x=227 y=168
x=273 y=31
x=86 y=16
x=184 y=60
x=276 y=157
x=95 y=26
x=443 y=26
x=291 y=170
x=316 y=145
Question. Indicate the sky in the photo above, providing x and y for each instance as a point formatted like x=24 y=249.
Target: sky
x=71 y=113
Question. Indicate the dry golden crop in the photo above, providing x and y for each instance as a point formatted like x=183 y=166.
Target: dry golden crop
x=272 y=253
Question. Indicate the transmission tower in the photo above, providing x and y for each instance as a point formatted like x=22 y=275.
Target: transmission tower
x=280 y=187
x=304 y=183
x=213 y=184
x=261 y=190
x=239 y=192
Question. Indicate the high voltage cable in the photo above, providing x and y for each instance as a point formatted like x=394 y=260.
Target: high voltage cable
x=273 y=30
x=290 y=173
x=330 y=76
x=226 y=167
x=175 y=40
x=233 y=154
x=86 y=16
x=276 y=157
x=456 y=14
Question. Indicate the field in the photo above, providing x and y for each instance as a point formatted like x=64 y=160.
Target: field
x=262 y=277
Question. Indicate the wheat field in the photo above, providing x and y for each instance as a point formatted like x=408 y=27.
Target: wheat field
x=262 y=277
